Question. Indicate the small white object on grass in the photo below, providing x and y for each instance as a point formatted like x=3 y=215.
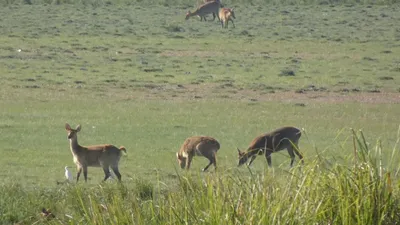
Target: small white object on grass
x=19 y=50
x=68 y=174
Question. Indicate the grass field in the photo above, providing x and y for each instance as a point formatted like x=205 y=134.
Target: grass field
x=143 y=77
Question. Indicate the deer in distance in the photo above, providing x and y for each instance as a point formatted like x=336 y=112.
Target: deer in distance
x=104 y=155
x=277 y=140
x=226 y=15
x=200 y=146
x=205 y=9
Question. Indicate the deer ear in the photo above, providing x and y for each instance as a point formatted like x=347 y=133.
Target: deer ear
x=78 y=128
x=239 y=151
x=67 y=126
x=178 y=156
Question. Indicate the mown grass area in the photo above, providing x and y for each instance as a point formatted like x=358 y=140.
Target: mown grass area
x=145 y=78
x=34 y=139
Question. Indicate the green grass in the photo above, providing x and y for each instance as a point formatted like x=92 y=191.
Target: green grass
x=360 y=193
x=145 y=78
x=154 y=130
x=329 y=48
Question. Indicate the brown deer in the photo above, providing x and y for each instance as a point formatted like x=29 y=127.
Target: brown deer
x=279 y=139
x=205 y=9
x=219 y=2
x=226 y=15
x=104 y=156
x=200 y=146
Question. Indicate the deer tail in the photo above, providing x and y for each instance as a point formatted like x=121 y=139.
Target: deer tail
x=122 y=148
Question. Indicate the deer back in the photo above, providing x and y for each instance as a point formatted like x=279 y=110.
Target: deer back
x=207 y=8
x=98 y=155
x=199 y=145
x=276 y=140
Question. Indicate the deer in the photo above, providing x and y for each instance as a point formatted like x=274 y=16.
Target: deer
x=274 y=141
x=226 y=15
x=201 y=146
x=104 y=155
x=205 y=9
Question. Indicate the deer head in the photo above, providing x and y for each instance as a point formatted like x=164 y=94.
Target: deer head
x=71 y=133
x=242 y=157
x=181 y=160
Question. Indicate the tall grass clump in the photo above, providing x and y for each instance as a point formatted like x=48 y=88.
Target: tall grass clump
x=361 y=190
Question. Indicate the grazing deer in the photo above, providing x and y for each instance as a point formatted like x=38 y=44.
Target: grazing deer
x=198 y=145
x=104 y=156
x=226 y=15
x=279 y=139
x=205 y=9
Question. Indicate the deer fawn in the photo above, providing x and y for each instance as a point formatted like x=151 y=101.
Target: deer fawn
x=279 y=139
x=104 y=156
x=198 y=145
x=226 y=15
x=205 y=9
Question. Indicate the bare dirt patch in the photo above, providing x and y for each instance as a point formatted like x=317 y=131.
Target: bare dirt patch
x=332 y=97
x=206 y=91
x=209 y=91
x=185 y=53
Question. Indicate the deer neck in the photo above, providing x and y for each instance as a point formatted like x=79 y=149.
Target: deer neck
x=195 y=13
x=73 y=143
x=251 y=152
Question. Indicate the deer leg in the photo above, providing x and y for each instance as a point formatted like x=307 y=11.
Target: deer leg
x=205 y=168
x=268 y=157
x=252 y=159
x=107 y=173
x=215 y=160
x=213 y=16
x=85 y=169
x=116 y=171
x=212 y=161
x=296 y=150
x=78 y=174
x=292 y=156
x=233 y=24
x=189 y=161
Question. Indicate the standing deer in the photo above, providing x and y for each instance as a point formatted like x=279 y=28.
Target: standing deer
x=104 y=156
x=226 y=15
x=205 y=9
x=200 y=146
x=279 y=139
